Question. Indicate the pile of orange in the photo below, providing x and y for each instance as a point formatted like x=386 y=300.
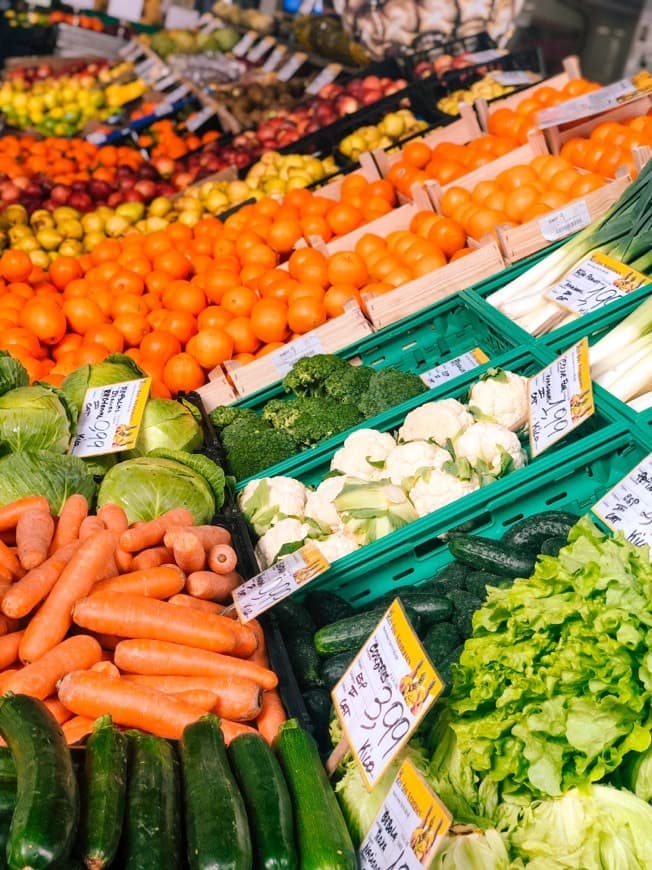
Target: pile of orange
x=609 y=146
x=165 y=140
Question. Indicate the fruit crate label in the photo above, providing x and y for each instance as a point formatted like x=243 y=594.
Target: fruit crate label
x=166 y=82
x=131 y=50
x=627 y=507
x=465 y=362
x=291 y=66
x=561 y=397
x=178 y=17
x=325 y=77
x=242 y=47
x=126 y=10
x=97 y=138
x=277 y=582
x=177 y=94
x=195 y=121
x=145 y=67
x=597 y=281
x=275 y=58
x=564 y=221
x=409 y=827
x=284 y=358
x=609 y=97
x=110 y=418
x=260 y=49
x=385 y=693
x=485 y=56
x=514 y=78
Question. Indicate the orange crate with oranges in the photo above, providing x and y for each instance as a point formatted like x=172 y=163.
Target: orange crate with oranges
x=623 y=127
x=368 y=169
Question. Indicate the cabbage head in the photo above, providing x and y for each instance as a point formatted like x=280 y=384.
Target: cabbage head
x=168 y=424
x=53 y=475
x=115 y=369
x=33 y=418
x=12 y=373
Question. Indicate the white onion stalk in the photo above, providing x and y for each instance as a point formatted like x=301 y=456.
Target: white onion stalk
x=631 y=377
x=642 y=402
x=621 y=354
x=629 y=330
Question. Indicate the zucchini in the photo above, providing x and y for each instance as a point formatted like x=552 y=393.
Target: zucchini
x=298 y=630
x=47 y=801
x=319 y=707
x=267 y=800
x=552 y=546
x=152 y=829
x=217 y=830
x=351 y=633
x=104 y=789
x=334 y=666
x=449 y=579
x=440 y=640
x=8 y=794
x=323 y=839
x=477 y=582
x=528 y=534
x=7 y=765
x=430 y=607
x=485 y=554
x=325 y=607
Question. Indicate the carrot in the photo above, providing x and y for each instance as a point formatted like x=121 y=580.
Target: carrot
x=222 y=559
x=230 y=730
x=111 y=567
x=39 y=679
x=90 y=526
x=50 y=624
x=151 y=533
x=236 y=698
x=115 y=520
x=9 y=648
x=5 y=575
x=91 y=694
x=5 y=586
x=160 y=657
x=195 y=603
x=10 y=513
x=208 y=536
x=259 y=655
x=76 y=728
x=108 y=641
x=188 y=552
x=30 y=590
x=8 y=625
x=198 y=698
x=5 y=676
x=139 y=616
x=34 y=532
x=152 y=557
x=60 y=713
x=71 y=516
x=9 y=562
x=153 y=583
x=212 y=586
x=105 y=667
x=272 y=715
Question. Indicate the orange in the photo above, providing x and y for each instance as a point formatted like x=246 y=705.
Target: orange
x=174 y=263
x=15 y=265
x=239 y=301
x=516 y=176
x=426 y=264
x=448 y=235
x=71 y=341
x=381 y=188
x=126 y=281
x=160 y=344
x=297 y=198
x=260 y=254
x=306 y=313
x=344 y=218
x=416 y=153
x=375 y=207
x=45 y=319
x=309 y=266
x=184 y=296
x=280 y=288
x=157 y=281
x=90 y=353
x=106 y=251
x=214 y=316
x=106 y=334
x=353 y=183
x=64 y=270
x=453 y=198
x=337 y=296
x=217 y=281
x=183 y=372
x=210 y=347
x=283 y=235
x=18 y=336
x=347 y=267
x=316 y=225
x=269 y=320
x=82 y=314
x=133 y=327
x=180 y=323
x=244 y=338
x=128 y=303
x=485 y=221
x=155 y=244
x=370 y=244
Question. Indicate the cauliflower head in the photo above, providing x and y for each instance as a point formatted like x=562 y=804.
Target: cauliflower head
x=286 y=535
x=438 y=488
x=490 y=449
x=337 y=545
x=363 y=454
x=407 y=461
x=267 y=500
x=502 y=397
x=320 y=503
x=436 y=421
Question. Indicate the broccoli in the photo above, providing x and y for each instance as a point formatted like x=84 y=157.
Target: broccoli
x=309 y=374
x=251 y=446
x=390 y=387
x=310 y=420
x=350 y=385
x=224 y=415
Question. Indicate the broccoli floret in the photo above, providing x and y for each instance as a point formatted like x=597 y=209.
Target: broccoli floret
x=388 y=388
x=251 y=446
x=310 y=420
x=224 y=415
x=350 y=385
x=308 y=375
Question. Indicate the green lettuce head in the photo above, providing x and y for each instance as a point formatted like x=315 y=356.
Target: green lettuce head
x=34 y=418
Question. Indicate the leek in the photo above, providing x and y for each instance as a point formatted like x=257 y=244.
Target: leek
x=629 y=330
x=632 y=376
x=642 y=402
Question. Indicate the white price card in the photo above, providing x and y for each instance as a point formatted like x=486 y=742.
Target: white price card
x=181 y=18
x=291 y=66
x=146 y=67
x=325 y=77
x=195 y=121
x=514 y=78
x=409 y=827
x=386 y=691
x=110 y=418
x=255 y=53
x=166 y=82
x=627 y=508
x=563 y=221
x=277 y=582
x=177 y=94
x=131 y=50
x=561 y=397
x=126 y=10
x=242 y=47
x=275 y=58
x=97 y=138
x=285 y=357
x=485 y=56
x=597 y=281
x=609 y=97
x=465 y=362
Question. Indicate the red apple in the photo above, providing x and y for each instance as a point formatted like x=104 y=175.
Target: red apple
x=80 y=201
x=60 y=194
x=146 y=187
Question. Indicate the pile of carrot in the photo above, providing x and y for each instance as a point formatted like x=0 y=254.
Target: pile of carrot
x=97 y=616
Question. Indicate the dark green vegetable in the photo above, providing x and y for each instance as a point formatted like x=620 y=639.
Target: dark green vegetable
x=350 y=385
x=217 y=829
x=7 y=765
x=325 y=607
x=298 y=631
x=251 y=446
x=351 y=633
x=225 y=415
x=485 y=554
x=267 y=799
x=440 y=640
x=8 y=797
x=449 y=579
x=334 y=666
x=528 y=534
x=388 y=388
x=152 y=830
x=319 y=707
x=309 y=375
x=422 y=601
x=552 y=546
x=45 y=817
x=477 y=582
x=323 y=838
x=445 y=667
x=309 y=420
x=464 y=606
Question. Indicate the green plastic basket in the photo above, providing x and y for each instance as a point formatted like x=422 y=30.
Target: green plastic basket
x=572 y=479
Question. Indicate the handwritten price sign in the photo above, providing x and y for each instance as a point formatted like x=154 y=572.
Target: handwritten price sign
x=597 y=281
x=110 y=418
x=627 y=507
x=465 y=362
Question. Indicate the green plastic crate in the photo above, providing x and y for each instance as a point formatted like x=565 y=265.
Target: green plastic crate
x=572 y=479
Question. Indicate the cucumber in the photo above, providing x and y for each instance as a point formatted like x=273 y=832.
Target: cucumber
x=7 y=765
x=8 y=795
x=298 y=631
x=319 y=707
x=430 y=607
x=449 y=579
x=528 y=534
x=325 y=607
x=464 y=606
x=47 y=801
x=477 y=582
x=152 y=827
x=217 y=830
x=445 y=668
x=351 y=633
x=322 y=836
x=485 y=554
x=552 y=546
x=104 y=789
x=439 y=641
x=334 y=666
x=267 y=800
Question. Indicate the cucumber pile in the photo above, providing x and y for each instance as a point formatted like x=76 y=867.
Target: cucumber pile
x=139 y=801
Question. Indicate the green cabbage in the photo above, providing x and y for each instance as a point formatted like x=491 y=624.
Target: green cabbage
x=12 y=373
x=168 y=424
x=53 y=475
x=147 y=487
x=472 y=850
x=33 y=418
x=115 y=369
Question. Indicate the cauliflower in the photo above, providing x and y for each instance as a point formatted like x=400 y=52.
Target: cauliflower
x=436 y=421
x=320 y=503
x=407 y=461
x=337 y=545
x=289 y=533
x=488 y=446
x=438 y=488
x=502 y=397
x=363 y=454
x=267 y=500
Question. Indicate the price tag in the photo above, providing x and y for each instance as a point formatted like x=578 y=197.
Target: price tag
x=181 y=18
x=110 y=418
x=131 y=50
x=145 y=67
x=275 y=58
x=596 y=282
x=166 y=82
x=291 y=65
x=126 y=10
x=465 y=362
x=242 y=47
x=514 y=78
x=266 y=589
x=260 y=49
x=97 y=138
x=561 y=397
x=325 y=77
x=385 y=692
x=627 y=507
x=285 y=357
x=616 y=94
x=485 y=56
x=177 y=94
x=195 y=121
x=564 y=221
x=208 y=23
x=409 y=827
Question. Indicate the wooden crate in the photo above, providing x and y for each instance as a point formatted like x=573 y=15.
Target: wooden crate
x=558 y=135
x=218 y=391
x=416 y=295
